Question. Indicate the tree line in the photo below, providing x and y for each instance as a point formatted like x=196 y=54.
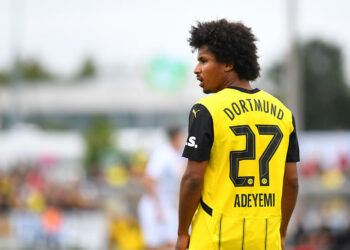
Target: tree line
x=33 y=71
x=326 y=97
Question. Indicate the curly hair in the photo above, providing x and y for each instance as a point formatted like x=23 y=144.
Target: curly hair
x=230 y=42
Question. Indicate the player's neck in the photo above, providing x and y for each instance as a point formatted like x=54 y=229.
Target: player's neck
x=240 y=83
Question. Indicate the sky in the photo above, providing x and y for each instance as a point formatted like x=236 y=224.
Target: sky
x=62 y=33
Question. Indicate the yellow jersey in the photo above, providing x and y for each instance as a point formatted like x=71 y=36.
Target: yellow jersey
x=247 y=136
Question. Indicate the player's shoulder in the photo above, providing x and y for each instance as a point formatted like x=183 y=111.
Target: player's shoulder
x=159 y=155
x=201 y=110
x=162 y=149
x=287 y=113
x=207 y=99
x=209 y=102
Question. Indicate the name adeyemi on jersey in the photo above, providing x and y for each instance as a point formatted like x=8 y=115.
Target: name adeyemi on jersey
x=255 y=200
x=249 y=105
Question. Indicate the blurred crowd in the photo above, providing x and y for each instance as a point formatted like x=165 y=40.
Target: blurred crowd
x=321 y=222
x=320 y=239
x=316 y=166
x=321 y=219
x=322 y=216
x=28 y=188
x=39 y=210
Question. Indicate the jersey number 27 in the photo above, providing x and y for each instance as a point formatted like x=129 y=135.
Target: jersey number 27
x=249 y=154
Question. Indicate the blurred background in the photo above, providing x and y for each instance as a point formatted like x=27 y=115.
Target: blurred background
x=88 y=87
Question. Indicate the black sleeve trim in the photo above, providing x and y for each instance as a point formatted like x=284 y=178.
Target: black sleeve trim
x=200 y=134
x=293 y=148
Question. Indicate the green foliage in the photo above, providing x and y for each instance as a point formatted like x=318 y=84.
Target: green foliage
x=99 y=145
x=52 y=124
x=32 y=70
x=88 y=69
x=277 y=73
x=326 y=95
x=4 y=78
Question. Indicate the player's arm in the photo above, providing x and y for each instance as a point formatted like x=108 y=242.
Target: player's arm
x=149 y=183
x=197 y=150
x=290 y=182
x=289 y=196
x=190 y=193
x=152 y=175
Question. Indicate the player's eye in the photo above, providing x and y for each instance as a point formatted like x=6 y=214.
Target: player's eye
x=202 y=60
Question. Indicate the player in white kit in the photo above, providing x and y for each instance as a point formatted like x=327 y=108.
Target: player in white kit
x=159 y=205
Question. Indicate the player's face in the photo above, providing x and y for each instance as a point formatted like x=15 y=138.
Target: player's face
x=209 y=71
x=177 y=141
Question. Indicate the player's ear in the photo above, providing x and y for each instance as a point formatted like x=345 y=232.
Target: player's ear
x=228 y=67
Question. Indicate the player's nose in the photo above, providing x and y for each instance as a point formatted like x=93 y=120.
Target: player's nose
x=197 y=69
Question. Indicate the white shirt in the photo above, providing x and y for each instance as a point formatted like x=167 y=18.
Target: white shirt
x=166 y=166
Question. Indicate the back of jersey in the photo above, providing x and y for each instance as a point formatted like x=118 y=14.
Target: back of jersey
x=244 y=177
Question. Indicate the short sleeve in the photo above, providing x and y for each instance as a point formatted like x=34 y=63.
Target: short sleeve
x=293 y=148
x=200 y=134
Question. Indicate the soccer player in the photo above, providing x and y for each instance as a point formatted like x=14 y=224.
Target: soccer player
x=240 y=186
x=157 y=209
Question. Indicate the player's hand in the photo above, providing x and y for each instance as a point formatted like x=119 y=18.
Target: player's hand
x=182 y=242
x=282 y=243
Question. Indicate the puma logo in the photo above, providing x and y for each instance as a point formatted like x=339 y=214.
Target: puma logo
x=195 y=112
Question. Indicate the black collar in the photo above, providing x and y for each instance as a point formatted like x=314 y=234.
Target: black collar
x=249 y=91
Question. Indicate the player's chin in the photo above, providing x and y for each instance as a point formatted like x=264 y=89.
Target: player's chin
x=205 y=88
x=207 y=91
